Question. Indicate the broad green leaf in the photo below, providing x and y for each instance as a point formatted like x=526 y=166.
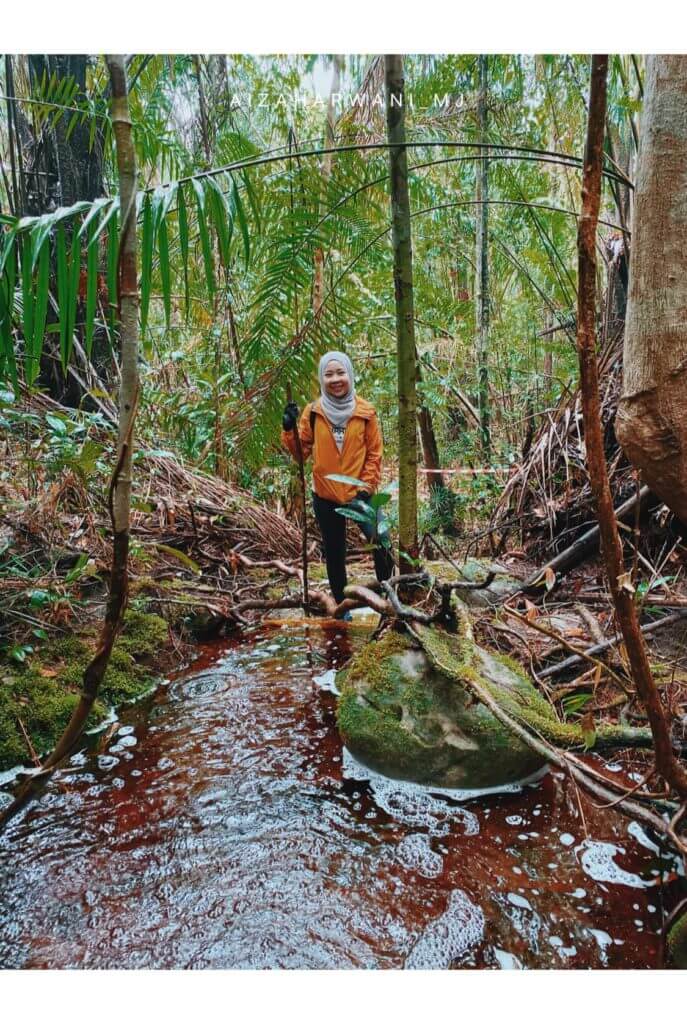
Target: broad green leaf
x=360 y=517
x=352 y=480
x=62 y=289
x=57 y=423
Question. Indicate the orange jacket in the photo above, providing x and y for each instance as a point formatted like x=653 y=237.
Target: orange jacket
x=360 y=456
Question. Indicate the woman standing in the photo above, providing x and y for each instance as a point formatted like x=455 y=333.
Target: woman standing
x=341 y=431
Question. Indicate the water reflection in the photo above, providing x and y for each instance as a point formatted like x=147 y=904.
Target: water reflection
x=224 y=826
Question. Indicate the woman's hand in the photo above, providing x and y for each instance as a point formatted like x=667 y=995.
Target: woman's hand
x=290 y=417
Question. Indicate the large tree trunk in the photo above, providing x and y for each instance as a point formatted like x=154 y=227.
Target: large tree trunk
x=651 y=424
x=482 y=262
x=405 y=326
x=611 y=547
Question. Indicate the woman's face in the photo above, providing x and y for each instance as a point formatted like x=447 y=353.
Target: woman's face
x=336 y=380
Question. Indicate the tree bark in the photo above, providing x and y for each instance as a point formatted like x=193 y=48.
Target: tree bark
x=120 y=488
x=651 y=423
x=405 y=326
x=482 y=262
x=611 y=547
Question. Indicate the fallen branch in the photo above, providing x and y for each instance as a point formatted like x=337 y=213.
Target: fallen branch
x=585 y=545
x=649 y=627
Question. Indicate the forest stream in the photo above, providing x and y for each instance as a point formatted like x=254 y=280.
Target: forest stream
x=222 y=825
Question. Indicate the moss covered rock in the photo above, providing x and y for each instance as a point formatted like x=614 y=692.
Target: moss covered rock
x=409 y=709
x=400 y=716
x=39 y=696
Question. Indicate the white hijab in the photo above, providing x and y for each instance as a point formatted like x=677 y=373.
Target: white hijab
x=337 y=410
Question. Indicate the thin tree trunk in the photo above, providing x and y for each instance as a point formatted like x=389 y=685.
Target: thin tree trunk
x=120 y=488
x=405 y=327
x=651 y=424
x=203 y=109
x=428 y=441
x=621 y=590
x=326 y=170
x=482 y=261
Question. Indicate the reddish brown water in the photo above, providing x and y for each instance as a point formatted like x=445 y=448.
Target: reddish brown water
x=223 y=826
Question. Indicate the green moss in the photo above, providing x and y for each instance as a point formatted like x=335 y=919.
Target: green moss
x=43 y=692
x=676 y=943
x=377 y=736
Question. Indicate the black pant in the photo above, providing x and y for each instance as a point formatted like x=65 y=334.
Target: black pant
x=333 y=529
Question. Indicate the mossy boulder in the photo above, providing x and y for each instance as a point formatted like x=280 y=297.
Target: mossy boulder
x=39 y=696
x=400 y=716
x=409 y=708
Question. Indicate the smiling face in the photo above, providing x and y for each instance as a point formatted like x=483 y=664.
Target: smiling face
x=335 y=377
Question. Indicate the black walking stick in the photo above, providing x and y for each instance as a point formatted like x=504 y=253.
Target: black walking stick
x=301 y=474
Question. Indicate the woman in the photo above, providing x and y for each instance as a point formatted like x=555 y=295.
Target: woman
x=342 y=433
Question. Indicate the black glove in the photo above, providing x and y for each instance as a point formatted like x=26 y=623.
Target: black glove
x=290 y=417
x=363 y=496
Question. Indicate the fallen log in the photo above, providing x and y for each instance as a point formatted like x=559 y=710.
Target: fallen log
x=575 y=659
x=585 y=545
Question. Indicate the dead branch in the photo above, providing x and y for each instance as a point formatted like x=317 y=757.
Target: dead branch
x=649 y=627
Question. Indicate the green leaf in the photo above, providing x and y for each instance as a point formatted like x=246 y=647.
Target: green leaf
x=62 y=288
x=165 y=279
x=147 y=243
x=205 y=243
x=57 y=424
x=182 y=217
x=243 y=222
x=78 y=569
x=112 y=261
x=40 y=314
x=91 y=288
x=380 y=499
x=72 y=293
x=27 y=291
x=352 y=480
x=360 y=517
x=181 y=556
x=221 y=218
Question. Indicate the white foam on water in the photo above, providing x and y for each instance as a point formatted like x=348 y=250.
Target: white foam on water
x=566 y=839
x=519 y=901
x=596 y=859
x=327 y=681
x=507 y=961
x=415 y=853
x=603 y=941
x=449 y=936
x=411 y=803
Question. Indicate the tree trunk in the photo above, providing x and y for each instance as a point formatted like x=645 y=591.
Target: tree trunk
x=482 y=262
x=651 y=424
x=120 y=488
x=326 y=170
x=611 y=547
x=405 y=327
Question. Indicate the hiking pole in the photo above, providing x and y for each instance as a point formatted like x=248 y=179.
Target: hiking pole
x=301 y=474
